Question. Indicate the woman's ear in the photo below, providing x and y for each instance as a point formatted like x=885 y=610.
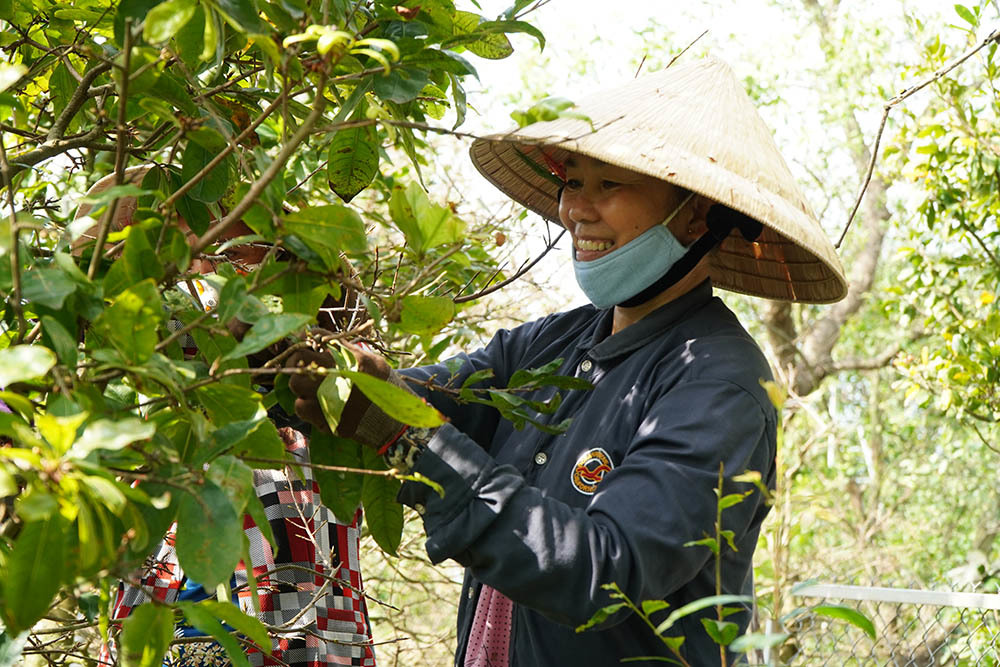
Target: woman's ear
x=696 y=225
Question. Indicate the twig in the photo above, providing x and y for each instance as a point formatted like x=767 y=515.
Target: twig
x=112 y=209
x=223 y=154
x=683 y=51
x=15 y=251
x=392 y=472
x=323 y=575
x=980 y=241
x=984 y=440
x=992 y=37
x=520 y=272
x=257 y=188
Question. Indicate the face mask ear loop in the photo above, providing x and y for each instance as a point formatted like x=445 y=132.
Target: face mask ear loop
x=677 y=210
x=721 y=220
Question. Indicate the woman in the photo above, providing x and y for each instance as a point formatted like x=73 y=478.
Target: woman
x=310 y=584
x=680 y=187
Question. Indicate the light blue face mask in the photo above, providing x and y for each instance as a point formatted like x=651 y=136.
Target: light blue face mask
x=627 y=271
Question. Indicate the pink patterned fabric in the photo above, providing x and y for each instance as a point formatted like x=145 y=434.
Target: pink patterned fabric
x=489 y=641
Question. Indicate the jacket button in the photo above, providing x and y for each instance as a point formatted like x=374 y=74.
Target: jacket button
x=586 y=365
x=471 y=593
x=541 y=458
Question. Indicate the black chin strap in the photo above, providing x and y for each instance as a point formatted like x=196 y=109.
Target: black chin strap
x=721 y=220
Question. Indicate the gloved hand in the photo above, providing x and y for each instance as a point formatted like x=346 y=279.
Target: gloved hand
x=361 y=420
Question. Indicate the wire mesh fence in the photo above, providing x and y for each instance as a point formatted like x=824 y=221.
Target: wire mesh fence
x=913 y=628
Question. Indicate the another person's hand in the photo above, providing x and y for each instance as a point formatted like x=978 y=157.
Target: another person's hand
x=361 y=420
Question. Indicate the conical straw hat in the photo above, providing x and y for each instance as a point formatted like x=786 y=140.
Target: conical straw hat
x=692 y=125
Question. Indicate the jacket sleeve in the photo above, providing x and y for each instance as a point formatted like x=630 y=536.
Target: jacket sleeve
x=554 y=558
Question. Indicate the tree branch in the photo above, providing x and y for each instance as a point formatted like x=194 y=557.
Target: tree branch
x=991 y=38
x=122 y=132
x=80 y=96
x=257 y=188
x=520 y=272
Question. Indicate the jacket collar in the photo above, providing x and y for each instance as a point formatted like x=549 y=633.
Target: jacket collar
x=604 y=347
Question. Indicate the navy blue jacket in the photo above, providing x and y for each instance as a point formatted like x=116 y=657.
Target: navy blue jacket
x=548 y=519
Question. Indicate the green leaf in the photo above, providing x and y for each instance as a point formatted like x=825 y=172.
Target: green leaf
x=300 y=293
x=62 y=341
x=653 y=606
x=226 y=403
x=485 y=44
x=340 y=491
x=549 y=108
x=235 y=478
x=249 y=626
x=426 y=314
x=8 y=485
x=131 y=323
x=508 y=27
x=424 y=224
x=329 y=231
x=383 y=514
x=215 y=183
x=35 y=570
x=721 y=632
x=255 y=437
x=60 y=432
x=400 y=404
x=212 y=347
x=461 y=105
x=242 y=15
x=731 y=499
x=754 y=641
x=199 y=616
x=166 y=19
x=47 y=286
x=332 y=394
x=602 y=615
x=698 y=605
x=967 y=15
x=190 y=41
x=401 y=85
x=24 y=362
x=544 y=376
x=847 y=614
x=267 y=331
x=353 y=160
x=709 y=542
x=208 y=535
x=111 y=435
x=137 y=263
x=210 y=38
x=146 y=635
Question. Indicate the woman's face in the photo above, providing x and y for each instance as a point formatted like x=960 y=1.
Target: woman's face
x=604 y=207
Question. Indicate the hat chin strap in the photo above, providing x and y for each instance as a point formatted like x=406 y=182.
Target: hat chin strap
x=721 y=220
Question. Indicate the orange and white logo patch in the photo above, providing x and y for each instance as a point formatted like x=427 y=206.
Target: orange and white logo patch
x=590 y=470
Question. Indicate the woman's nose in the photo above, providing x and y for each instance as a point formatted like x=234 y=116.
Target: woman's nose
x=583 y=212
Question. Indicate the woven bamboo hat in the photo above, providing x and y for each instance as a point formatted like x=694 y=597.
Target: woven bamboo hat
x=692 y=125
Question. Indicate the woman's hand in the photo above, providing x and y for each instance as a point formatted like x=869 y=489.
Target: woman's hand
x=361 y=420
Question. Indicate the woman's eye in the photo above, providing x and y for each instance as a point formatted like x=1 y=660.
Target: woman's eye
x=573 y=184
x=609 y=185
